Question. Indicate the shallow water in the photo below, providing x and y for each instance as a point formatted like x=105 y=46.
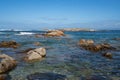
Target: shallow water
x=65 y=57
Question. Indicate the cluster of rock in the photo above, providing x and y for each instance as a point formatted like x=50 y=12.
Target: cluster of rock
x=91 y=46
x=35 y=54
x=55 y=33
x=9 y=44
x=7 y=63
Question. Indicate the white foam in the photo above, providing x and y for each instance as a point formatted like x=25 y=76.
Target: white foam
x=25 y=33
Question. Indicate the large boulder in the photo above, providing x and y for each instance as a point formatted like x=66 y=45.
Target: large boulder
x=9 y=44
x=7 y=63
x=36 y=54
x=54 y=33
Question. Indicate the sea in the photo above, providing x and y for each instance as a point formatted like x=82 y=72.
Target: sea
x=65 y=59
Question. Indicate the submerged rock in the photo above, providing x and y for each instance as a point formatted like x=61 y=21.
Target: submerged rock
x=9 y=44
x=7 y=63
x=37 y=43
x=36 y=54
x=46 y=76
x=108 y=55
x=54 y=33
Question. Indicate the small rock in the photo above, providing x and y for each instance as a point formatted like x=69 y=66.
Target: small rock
x=86 y=42
x=90 y=42
x=37 y=43
x=108 y=55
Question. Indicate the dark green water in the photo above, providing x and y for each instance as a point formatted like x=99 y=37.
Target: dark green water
x=65 y=57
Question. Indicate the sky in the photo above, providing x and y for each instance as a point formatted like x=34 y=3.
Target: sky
x=34 y=14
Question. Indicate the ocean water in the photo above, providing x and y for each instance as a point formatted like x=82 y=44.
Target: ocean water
x=64 y=55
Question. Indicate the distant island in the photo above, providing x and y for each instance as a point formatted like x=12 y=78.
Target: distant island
x=77 y=29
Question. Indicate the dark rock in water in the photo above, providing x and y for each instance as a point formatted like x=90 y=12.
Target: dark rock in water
x=7 y=63
x=9 y=44
x=46 y=76
x=108 y=55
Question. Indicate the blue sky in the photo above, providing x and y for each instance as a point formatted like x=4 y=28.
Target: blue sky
x=60 y=13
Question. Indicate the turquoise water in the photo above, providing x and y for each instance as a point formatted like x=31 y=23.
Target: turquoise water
x=65 y=56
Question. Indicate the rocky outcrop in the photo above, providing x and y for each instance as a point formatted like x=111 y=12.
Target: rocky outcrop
x=91 y=46
x=36 y=54
x=7 y=63
x=9 y=44
x=57 y=33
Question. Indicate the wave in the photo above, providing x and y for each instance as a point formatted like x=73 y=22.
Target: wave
x=25 y=33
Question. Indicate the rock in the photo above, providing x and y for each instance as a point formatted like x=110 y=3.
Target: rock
x=37 y=43
x=108 y=55
x=86 y=42
x=82 y=42
x=7 y=63
x=36 y=54
x=9 y=44
x=41 y=51
x=33 y=55
x=90 y=42
x=57 y=33
x=89 y=45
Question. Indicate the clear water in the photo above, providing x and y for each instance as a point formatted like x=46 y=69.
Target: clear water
x=64 y=56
